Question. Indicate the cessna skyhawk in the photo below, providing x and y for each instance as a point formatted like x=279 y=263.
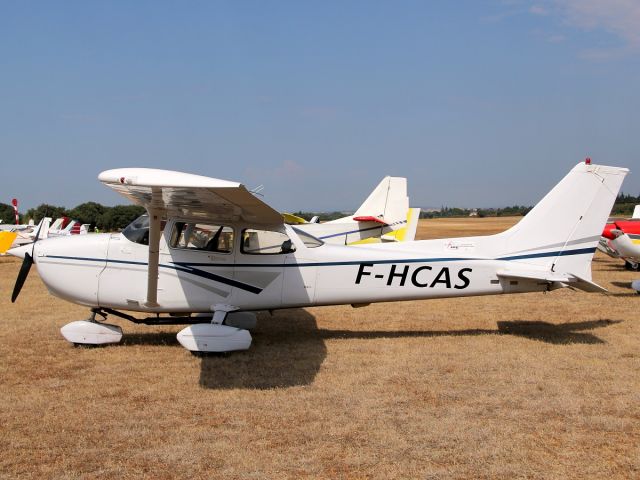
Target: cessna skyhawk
x=210 y=247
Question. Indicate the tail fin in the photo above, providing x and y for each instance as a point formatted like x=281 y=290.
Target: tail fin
x=388 y=201
x=562 y=231
x=57 y=225
x=43 y=228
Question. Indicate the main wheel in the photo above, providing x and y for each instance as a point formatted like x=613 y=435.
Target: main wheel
x=631 y=266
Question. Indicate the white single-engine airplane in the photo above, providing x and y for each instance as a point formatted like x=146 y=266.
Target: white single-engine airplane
x=210 y=247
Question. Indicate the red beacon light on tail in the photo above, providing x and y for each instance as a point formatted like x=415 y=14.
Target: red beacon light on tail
x=587 y=161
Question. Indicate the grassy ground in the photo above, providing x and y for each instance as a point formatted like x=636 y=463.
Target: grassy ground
x=528 y=386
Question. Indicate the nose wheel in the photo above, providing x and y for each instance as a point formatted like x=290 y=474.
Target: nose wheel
x=91 y=331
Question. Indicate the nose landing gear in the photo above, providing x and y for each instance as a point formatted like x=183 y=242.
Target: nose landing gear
x=91 y=332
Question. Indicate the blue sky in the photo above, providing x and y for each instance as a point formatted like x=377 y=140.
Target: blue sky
x=478 y=103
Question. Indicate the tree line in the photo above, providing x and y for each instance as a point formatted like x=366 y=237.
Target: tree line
x=104 y=218
x=116 y=218
x=623 y=207
x=446 y=212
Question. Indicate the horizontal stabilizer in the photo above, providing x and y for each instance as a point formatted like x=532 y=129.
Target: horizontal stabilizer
x=569 y=280
x=586 y=285
x=368 y=218
x=534 y=275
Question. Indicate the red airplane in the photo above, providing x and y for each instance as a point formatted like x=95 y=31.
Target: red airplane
x=621 y=239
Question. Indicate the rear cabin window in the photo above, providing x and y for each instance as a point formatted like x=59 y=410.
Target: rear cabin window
x=265 y=242
x=202 y=236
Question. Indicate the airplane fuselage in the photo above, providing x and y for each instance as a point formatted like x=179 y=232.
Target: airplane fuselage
x=110 y=270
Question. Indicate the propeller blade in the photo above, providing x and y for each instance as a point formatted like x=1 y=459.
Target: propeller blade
x=37 y=236
x=22 y=276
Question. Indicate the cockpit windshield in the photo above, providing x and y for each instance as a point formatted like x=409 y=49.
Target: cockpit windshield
x=309 y=240
x=138 y=230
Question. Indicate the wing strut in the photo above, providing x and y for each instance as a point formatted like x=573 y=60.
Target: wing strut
x=155 y=218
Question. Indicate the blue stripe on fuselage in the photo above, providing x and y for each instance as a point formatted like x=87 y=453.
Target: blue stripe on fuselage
x=190 y=265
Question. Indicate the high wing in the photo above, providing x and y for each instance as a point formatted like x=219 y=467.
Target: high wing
x=190 y=196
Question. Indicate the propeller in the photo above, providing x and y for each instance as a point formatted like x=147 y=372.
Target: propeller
x=26 y=266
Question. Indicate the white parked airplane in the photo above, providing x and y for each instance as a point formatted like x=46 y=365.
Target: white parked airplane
x=64 y=226
x=23 y=236
x=384 y=216
x=209 y=246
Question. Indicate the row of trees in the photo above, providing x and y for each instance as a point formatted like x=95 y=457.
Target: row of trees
x=116 y=218
x=104 y=218
x=623 y=207
x=446 y=212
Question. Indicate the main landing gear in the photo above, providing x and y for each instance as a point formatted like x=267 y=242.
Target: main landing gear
x=215 y=336
x=633 y=266
x=225 y=331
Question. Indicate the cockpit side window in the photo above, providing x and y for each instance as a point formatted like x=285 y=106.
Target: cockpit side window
x=200 y=236
x=265 y=242
x=138 y=230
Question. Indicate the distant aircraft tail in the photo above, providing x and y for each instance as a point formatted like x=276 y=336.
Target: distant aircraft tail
x=57 y=225
x=407 y=233
x=388 y=203
x=562 y=231
x=43 y=228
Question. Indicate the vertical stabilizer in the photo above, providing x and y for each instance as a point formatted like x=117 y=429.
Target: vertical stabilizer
x=562 y=231
x=388 y=201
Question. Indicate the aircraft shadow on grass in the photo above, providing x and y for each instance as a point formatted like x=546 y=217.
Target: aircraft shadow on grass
x=289 y=349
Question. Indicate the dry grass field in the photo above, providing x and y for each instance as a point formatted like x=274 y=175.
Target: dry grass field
x=527 y=386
